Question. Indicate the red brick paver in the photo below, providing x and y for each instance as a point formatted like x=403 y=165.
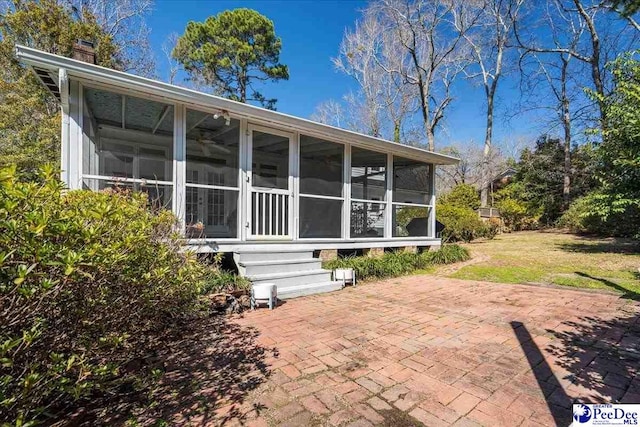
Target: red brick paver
x=435 y=351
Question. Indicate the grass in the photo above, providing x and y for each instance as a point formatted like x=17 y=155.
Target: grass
x=557 y=258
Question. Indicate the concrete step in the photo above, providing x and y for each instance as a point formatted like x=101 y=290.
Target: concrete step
x=253 y=268
x=296 y=278
x=262 y=255
x=310 y=289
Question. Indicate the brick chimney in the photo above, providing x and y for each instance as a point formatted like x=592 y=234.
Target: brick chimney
x=83 y=51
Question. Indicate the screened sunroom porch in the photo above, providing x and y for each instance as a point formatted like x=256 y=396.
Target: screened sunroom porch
x=238 y=176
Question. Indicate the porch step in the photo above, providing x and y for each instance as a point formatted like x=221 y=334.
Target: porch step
x=295 y=278
x=294 y=272
x=252 y=268
x=313 y=288
x=263 y=255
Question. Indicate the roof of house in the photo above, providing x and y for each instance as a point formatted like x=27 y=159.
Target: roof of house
x=507 y=173
x=47 y=67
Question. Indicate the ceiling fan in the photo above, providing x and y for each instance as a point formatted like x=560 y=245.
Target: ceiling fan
x=209 y=144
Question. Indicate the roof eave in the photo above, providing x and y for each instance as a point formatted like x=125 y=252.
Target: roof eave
x=83 y=70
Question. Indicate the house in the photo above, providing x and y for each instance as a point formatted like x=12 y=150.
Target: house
x=275 y=190
x=497 y=183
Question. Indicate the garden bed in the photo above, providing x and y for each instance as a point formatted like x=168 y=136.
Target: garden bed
x=399 y=263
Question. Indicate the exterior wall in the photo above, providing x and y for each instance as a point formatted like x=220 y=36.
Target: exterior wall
x=410 y=249
x=328 y=254
x=373 y=252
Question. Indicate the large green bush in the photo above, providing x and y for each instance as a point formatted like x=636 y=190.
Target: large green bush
x=463 y=224
x=462 y=195
x=88 y=281
x=616 y=201
x=457 y=211
x=517 y=214
x=398 y=263
x=584 y=216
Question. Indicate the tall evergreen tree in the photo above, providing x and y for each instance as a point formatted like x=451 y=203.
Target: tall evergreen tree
x=231 y=51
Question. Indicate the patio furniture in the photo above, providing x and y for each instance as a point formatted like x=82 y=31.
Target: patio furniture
x=264 y=292
x=346 y=275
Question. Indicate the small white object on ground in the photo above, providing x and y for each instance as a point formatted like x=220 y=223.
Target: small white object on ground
x=264 y=292
x=346 y=275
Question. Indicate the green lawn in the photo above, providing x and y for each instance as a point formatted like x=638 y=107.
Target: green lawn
x=556 y=258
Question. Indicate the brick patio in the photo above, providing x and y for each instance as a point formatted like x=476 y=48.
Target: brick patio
x=435 y=351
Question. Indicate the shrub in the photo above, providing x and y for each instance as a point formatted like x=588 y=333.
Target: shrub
x=399 y=263
x=462 y=224
x=447 y=254
x=517 y=213
x=584 y=216
x=462 y=195
x=88 y=282
x=574 y=217
x=513 y=213
x=221 y=281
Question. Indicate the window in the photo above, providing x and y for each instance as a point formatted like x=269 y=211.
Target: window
x=321 y=184
x=127 y=143
x=412 y=189
x=368 y=190
x=212 y=175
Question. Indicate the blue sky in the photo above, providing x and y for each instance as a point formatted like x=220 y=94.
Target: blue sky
x=311 y=32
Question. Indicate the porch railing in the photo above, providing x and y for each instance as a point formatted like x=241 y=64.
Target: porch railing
x=270 y=212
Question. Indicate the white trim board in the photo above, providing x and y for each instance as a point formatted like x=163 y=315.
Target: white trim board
x=309 y=245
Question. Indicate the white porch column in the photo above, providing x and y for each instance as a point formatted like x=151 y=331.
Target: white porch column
x=388 y=216
x=346 y=188
x=179 y=164
x=432 y=213
x=63 y=84
x=295 y=190
x=244 y=198
x=75 y=137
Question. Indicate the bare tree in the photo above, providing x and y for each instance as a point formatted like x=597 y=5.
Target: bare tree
x=357 y=59
x=173 y=65
x=432 y=58
x=593 y=49
x=405 y=61
x=489 y=40
x=471 y=168
x=330 y=113
x=382 y=96
x=552 y=69
x=125 y=22
x=397 y=98
x=574 y=33
x=352 y=113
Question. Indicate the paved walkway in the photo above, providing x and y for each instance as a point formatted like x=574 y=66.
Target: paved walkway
x=435 y=351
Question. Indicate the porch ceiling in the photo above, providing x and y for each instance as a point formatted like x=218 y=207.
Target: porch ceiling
x=93 y=73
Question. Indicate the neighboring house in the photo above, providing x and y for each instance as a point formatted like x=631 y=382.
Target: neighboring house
x=497 y=183
x=270 y=188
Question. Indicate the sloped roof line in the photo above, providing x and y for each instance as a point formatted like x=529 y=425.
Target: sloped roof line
x=83 y=70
